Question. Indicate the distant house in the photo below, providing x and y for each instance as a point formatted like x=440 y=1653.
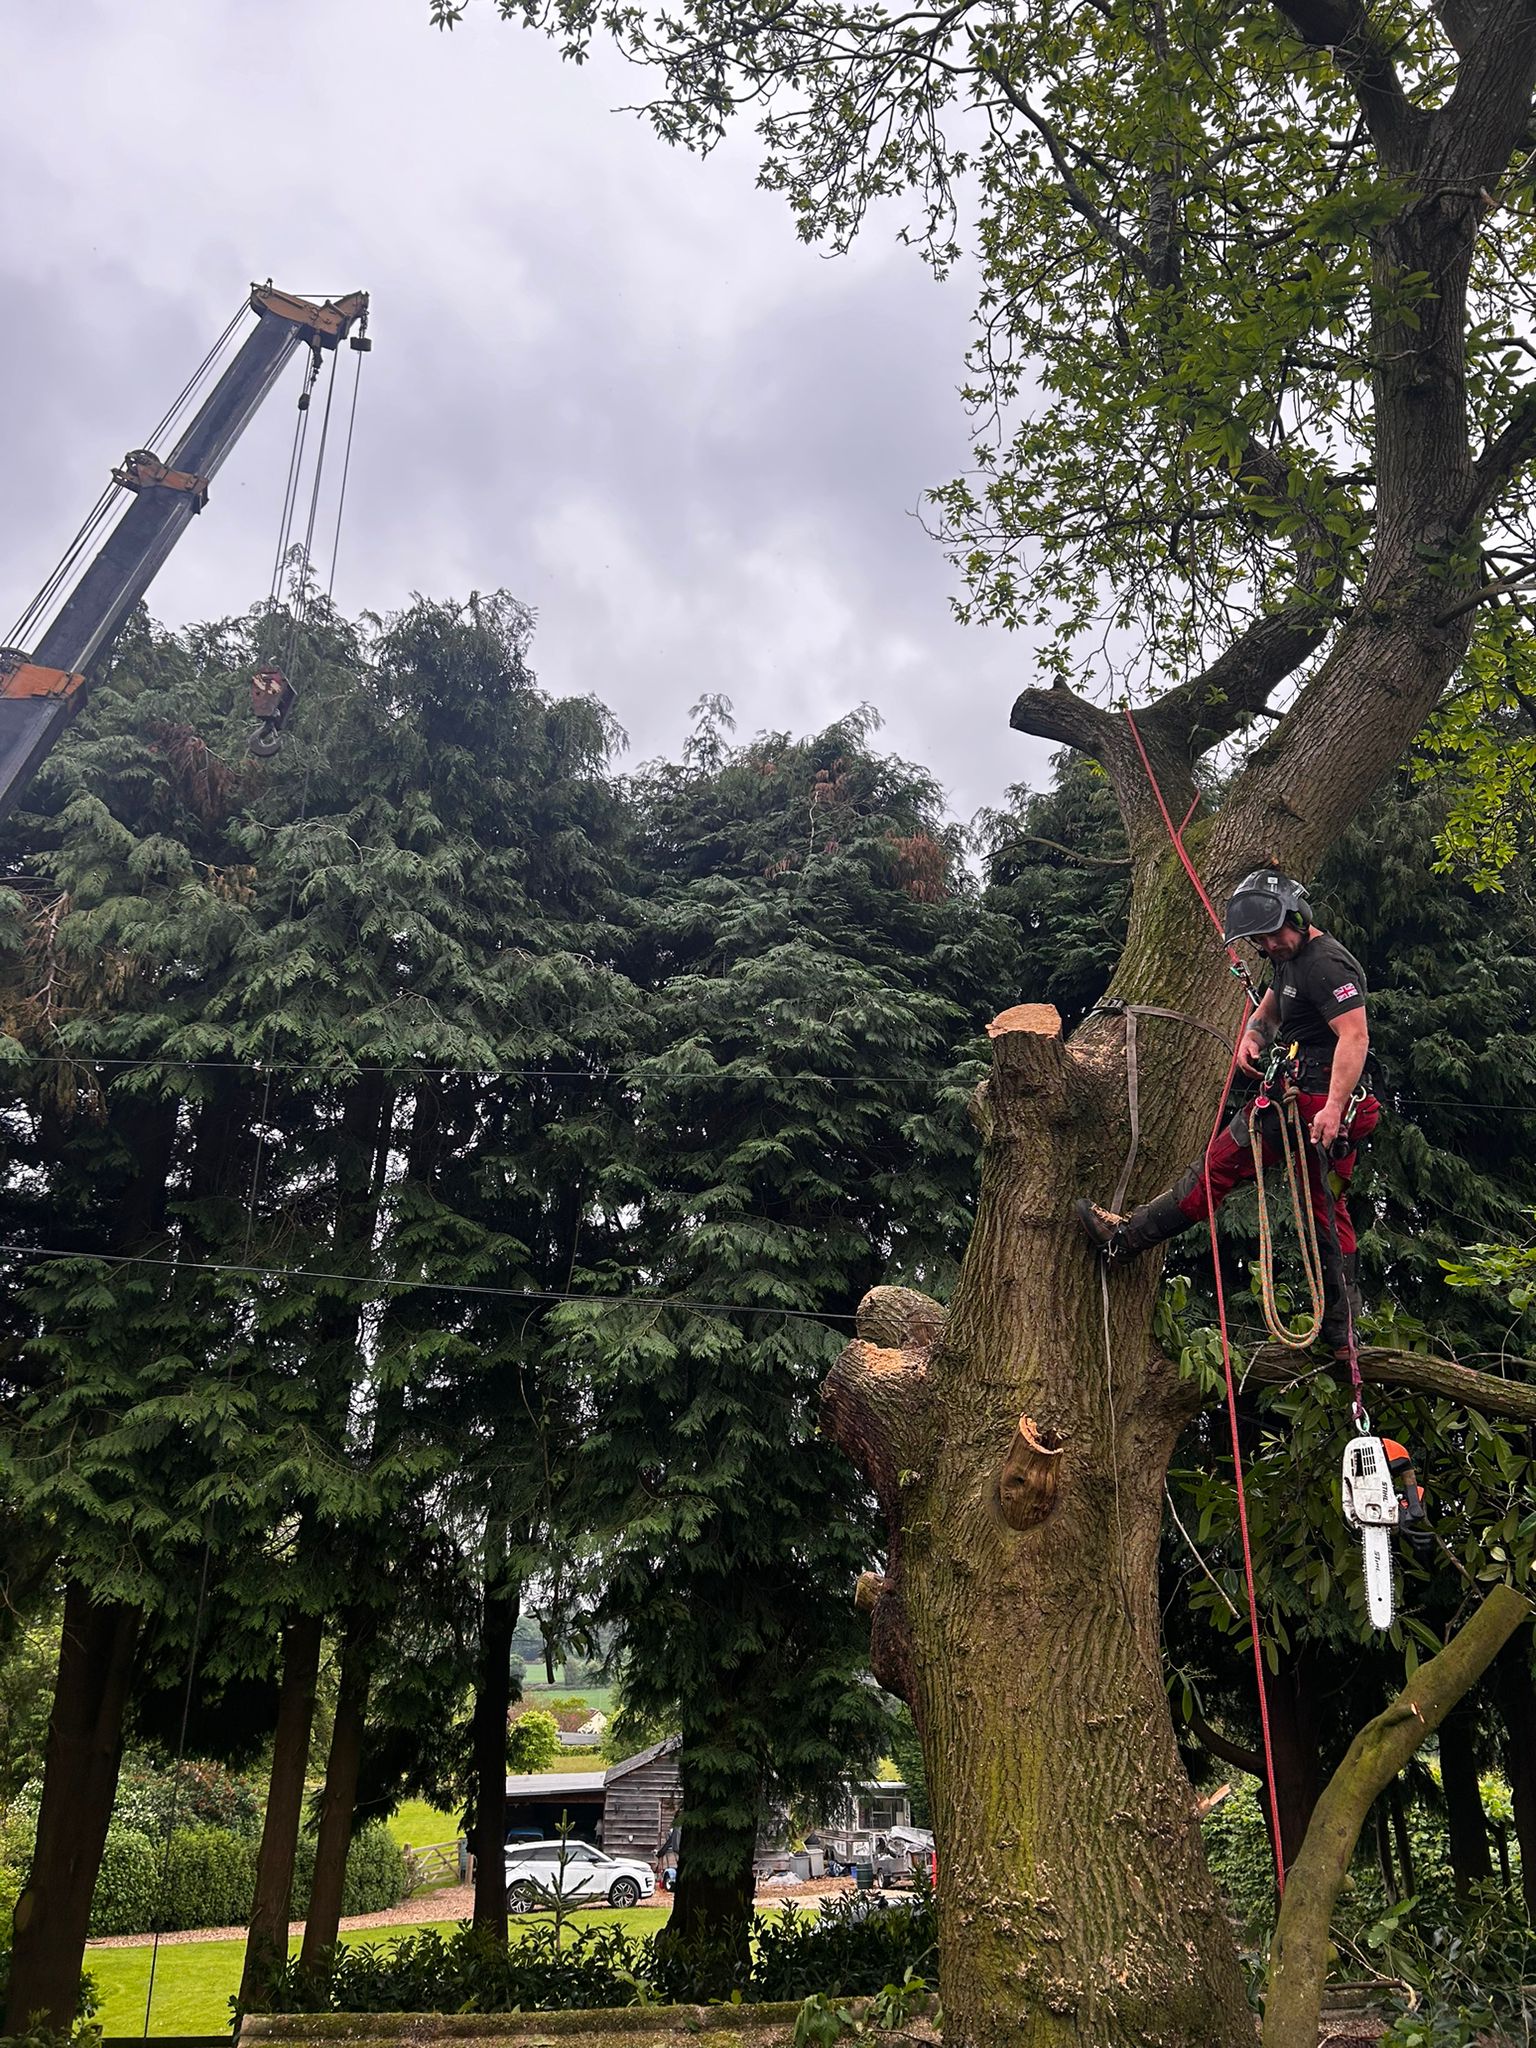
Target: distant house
x=628 y=1809
x=874 y=1805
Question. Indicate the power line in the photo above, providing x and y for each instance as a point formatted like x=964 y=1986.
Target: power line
x=351 y=1070
x=471 y=1287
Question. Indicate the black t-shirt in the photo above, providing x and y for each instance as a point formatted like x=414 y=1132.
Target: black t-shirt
x=1323 y=981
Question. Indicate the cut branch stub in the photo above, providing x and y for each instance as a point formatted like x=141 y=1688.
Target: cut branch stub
x=870 y=1400
x=1029 y=1065
x=901 y=1319
x=1030 y=1477
x=872 y=1405
x=867 y=1591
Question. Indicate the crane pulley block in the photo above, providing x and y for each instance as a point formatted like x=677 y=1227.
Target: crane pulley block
x=141 y=470
x=322 y=326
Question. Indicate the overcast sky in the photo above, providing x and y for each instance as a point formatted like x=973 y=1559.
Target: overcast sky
x=606 y=376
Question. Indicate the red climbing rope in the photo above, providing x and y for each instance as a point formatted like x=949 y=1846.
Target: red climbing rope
x=1176 y=835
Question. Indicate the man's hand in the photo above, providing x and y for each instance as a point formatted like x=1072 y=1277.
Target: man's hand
x=1327 y=1124
x=1250 y=1051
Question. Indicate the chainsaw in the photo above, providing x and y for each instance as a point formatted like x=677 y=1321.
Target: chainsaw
x=1374 y=1469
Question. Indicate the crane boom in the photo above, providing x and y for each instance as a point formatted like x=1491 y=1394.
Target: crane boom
x=41 y=692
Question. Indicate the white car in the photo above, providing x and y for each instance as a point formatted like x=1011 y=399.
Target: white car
x=540 y=1871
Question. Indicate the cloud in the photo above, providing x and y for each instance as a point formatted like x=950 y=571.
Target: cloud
x=606 y=374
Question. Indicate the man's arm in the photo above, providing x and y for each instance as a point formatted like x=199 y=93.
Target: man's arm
x=1260 y=1029
x=1354 y=1038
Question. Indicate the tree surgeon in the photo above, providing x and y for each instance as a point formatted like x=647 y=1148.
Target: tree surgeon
x=1314 y=1012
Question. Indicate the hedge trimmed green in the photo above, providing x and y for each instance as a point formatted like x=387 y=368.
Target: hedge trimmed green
x=205 y=1877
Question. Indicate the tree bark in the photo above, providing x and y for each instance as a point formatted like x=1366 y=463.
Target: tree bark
x=488 y=1735
x=1466 y=1823
x=338 y=1801
x=1299 y=1956
x=712 y=1907
x=81 y=1760
x=1074 y=1902
x=266 y=1946
x=1517 y=1705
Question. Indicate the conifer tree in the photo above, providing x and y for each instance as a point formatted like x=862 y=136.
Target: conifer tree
x=817 y=965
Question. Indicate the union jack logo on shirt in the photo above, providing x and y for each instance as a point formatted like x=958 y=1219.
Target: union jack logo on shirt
x=1344 y=991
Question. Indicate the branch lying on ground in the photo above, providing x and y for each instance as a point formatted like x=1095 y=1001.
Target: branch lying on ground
x=1299 y=1956
x=1513 y=1400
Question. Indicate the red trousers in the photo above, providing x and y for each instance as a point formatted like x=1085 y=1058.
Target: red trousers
x=1230 y=1164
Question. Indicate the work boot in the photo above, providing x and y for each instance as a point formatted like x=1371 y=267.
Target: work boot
x=1125 y=1237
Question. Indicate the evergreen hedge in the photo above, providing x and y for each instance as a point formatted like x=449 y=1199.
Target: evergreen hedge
x=851 y=1948
x=209 y=1875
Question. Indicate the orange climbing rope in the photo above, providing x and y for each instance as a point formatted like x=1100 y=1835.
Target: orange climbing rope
x=1176 y=836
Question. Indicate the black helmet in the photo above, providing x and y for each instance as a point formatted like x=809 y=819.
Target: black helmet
x=1264 y=902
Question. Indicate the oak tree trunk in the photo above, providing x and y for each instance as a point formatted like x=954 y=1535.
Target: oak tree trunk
x=1019 y=1461
x=81 y=1759
x=266 y=1946
x=338 y=1801
x=488 y=1735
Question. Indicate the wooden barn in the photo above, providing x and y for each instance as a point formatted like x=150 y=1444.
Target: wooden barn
x=628 y=1809
x=641 y=1797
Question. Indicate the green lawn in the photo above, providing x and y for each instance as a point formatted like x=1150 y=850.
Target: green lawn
x=414 y=1821
x=598 y=1698
x=195 y=1980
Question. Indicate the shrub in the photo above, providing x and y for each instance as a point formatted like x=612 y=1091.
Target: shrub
x=854 y=1947
x=124 y=1899
x=194 y=1793
x=202 y=1877
x=210 y=1879
x=850 y=1949
x=1238 y=1852
x=376 y=1877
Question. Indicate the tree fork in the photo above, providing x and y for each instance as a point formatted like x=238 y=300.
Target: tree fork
x=266 y=1946
x=333 y=1835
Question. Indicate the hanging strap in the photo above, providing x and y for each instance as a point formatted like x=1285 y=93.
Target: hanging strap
x=1111 y=1007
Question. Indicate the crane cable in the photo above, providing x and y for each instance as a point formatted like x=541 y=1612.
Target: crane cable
x=1176 y=838
x=91 y=524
